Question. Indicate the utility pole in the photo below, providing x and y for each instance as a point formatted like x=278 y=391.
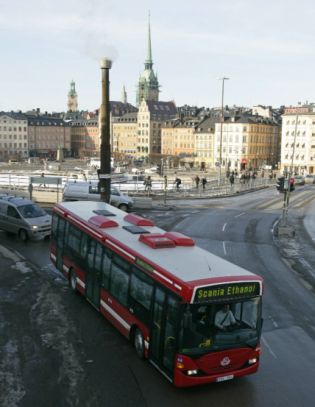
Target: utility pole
x=105 y=153
x=221 y=125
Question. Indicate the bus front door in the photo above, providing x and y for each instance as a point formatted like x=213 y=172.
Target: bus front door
x=163 y=331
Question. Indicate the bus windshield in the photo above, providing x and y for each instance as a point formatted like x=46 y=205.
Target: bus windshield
x=212 y=327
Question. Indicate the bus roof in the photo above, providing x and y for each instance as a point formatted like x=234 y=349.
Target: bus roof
x=180 y=260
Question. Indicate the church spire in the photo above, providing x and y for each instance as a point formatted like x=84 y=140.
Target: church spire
x=148 y=85
x=148 y=61
x=124 y=95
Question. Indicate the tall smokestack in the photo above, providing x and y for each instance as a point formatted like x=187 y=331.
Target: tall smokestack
x=104 y=118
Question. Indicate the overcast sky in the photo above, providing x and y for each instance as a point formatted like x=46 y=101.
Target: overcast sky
x=266 y=48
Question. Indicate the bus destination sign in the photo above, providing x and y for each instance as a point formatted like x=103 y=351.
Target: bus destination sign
x=227 y=292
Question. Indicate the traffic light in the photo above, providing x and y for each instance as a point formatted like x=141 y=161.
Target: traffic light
x=291 y=184
x=280 y=184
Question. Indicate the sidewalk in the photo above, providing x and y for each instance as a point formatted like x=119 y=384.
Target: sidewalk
x=49 y=196
x=157 y=200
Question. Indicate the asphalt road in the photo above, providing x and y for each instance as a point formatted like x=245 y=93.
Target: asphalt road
x=56 y=350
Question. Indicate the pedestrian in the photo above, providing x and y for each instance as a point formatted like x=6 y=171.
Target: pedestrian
x=148 y=184
x=30 y=190
x=232 y=179
x=165 y=182
x=197 y=180
x=178 y=181
x=204 y=181
x=42 y=183
x=247 y=177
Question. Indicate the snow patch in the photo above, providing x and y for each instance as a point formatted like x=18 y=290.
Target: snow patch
x=22 y=267
x=11 y=255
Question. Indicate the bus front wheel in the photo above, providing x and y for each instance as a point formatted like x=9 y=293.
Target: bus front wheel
x=139 y=343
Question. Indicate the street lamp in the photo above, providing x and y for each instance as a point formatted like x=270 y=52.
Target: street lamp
x=221 y=125
x=105 y=168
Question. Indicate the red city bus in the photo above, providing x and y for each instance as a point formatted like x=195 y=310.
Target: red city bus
x=162 y=292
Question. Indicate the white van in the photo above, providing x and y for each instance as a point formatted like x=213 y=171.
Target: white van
x=24 y=218
x=89 y=191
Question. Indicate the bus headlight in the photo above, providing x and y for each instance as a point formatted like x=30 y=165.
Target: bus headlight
x=252 y=361
x=192 y=372
x=34 y=227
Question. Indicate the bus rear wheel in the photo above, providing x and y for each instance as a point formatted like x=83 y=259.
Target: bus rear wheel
x=139 y=343
x=73 y=281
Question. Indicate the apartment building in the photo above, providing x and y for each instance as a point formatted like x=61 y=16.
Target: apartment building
x=13 y=136
x=178 y=140
x=204 y=144
x=124 y=136
x=150 y=119
x=246 y=142
x=48 y=134
x=85 y=140
x=298 y=139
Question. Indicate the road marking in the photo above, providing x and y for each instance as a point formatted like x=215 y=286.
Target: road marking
x=240 y=214
x=224 y=248
x=224 y=226
x=268 y=347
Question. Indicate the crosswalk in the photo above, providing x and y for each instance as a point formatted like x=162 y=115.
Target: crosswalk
x=297 y=201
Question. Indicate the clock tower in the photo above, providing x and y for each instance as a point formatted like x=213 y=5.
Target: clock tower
x=72 y=98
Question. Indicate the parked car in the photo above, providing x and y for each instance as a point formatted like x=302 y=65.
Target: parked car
x=310 y=179
x=89 y=191
x=23 y=217
x=299 y=180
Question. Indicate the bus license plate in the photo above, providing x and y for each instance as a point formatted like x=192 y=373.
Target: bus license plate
x=225 y=378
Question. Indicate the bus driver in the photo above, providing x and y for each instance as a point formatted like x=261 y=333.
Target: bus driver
x=224 y=318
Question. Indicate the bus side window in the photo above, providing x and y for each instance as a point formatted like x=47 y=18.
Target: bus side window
x=90 y=253
x=73 y=241
x=98 y=256
x=141 y=290
x=106 y=267
x=54 y=225
x=119 y=280
x=84 y=245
